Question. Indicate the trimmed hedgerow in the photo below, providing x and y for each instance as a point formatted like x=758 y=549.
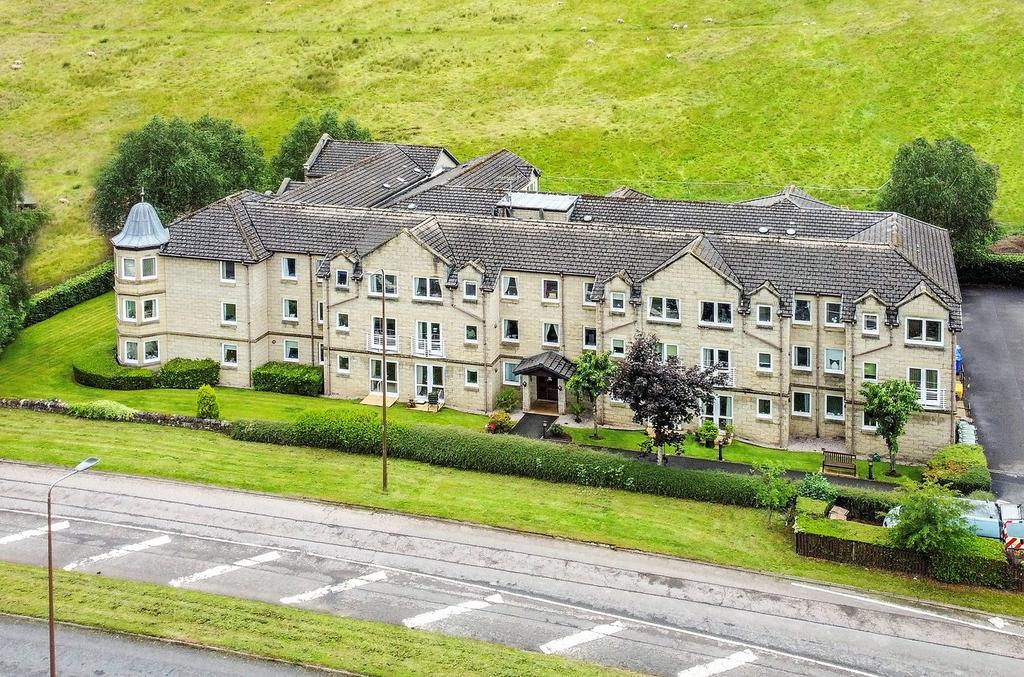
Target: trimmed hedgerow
x=90 y=284
x=989 y=268
x=294 y=379
x=188 y=374
x=106 y=410
x=961 y=467
x=867 y=504
x=98 y=368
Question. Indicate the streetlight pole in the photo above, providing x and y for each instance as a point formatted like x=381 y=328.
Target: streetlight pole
x=384 y=382
x=84 y=465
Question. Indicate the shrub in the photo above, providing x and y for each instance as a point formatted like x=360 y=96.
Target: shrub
x=816 y=485
x=508 y=399
x=500 y=423
x=986 y=268
x=931 y=522
x=961 y=467
x=90 y=284
x=556 y=430
x=982 y=562
x=106 y=410
x=867 y=504
x=98 y=368
x=707 y=432
x=188 y=374
x=283 y=377
x=206 y=402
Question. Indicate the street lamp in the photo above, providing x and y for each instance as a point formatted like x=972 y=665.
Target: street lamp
x=384 y=382
x=84 y=465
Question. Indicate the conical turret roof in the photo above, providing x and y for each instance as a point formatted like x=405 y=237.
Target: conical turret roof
x=142 y=229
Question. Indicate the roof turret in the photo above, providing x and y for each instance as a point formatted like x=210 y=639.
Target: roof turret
x=142 y=229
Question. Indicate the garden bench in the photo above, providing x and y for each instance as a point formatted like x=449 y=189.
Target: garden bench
x=839 y=462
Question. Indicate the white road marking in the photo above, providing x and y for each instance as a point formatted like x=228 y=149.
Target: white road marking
x=41 y=531
x=121 y=552
x=582 y=637
x=998 y=622
x=449 y=611
x=337 y=587
x=226 y=568
x=720 y=665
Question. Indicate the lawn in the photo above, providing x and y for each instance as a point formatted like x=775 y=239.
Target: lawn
x=259 y=629
x=703 y=99
x=694 y=530
x=38 y=365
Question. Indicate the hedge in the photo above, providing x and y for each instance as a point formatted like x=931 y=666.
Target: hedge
x=988 y=268
x=867 y=504
x=284 y=377
x=105 y=410
x=961 y=467
x=98 y=368
x=71 y=292
x=463 y=449
x=188 y=374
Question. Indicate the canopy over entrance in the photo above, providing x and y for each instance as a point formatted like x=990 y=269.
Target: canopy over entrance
x=548 y=362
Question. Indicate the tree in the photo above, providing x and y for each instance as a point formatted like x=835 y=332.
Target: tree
x=662 y=393
x=17 y=231
x=891 y=404
x=931 y=522
x=206 y=402
x=181 y=165
x=947 y=184
x=592 y=378
x=298 y=143
x=771 y=493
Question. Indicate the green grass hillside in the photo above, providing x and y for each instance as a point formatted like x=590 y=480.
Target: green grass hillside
x=738 y=99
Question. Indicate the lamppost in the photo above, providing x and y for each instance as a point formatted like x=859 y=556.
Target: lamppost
x=384 y=382
x=872 y=460
x=84 y=465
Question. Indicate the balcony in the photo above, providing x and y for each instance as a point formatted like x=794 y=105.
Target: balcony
x=373 y=342
x=730 y=376
x=933 y=398
x=427 y=347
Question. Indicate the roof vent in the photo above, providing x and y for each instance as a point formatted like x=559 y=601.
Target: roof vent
x=763 y=229
x=791 y=231
x=386 y=185
x=411 y=205
x=417 y=170
x=588 y=218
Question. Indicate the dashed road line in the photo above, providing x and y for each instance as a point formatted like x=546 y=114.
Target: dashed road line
x=30 y=533
x=337 y=587
x=449 y=611
x=720 y=665
x=120 y=552
x=226 y=568
x=582 y=637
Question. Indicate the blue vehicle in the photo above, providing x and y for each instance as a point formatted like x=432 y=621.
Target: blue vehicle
x=986 y=518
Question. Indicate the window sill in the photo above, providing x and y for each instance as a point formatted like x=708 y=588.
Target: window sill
x=761 y=325
x=510 y=383
x=803 y=369
x=798 y=415
x=833 y=419
x=229 y=283
x=510 y=299
x=589 y=347
x=156 y=361
x=924 y=344
x=470 y=386
x=802 y=323
x=763 y=419
x=765 y=372
x=229 y=324
x=869 y=428
x=471 y=344
x=290 y=320
x=148 y=279
x=228 y=366
x=470 y=299
x=343 y=373
x=427 y=299
x=658 y=320
x=828 y=372
x=511 y=342
x=285 y=359
x=550 y=302
x=390 y=297
x=153 y=320
x=341 y=287
x=840 y=326
x=616 y=312
x=339 y=330
x=294 y=280
x=551 y=345
x=714 y=325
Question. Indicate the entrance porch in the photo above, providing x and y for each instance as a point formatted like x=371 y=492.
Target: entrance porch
x=542 y=378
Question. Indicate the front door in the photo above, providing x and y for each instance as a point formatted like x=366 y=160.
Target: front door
x=547 y=388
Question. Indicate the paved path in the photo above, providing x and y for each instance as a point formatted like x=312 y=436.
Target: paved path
x=652 y=614
x=533 y=425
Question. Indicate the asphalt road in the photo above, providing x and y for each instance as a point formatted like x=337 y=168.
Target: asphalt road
x=652 y=614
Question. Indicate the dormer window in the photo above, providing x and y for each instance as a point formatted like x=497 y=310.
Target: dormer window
x=128 y=268
x=341 y=279
x=549 y=291
x=470 y=290
x=869 y=324
x=148 y=267
x=289 y=268
x=618 y=302
x=427 y=288
x=764 y=316
x=227 y=271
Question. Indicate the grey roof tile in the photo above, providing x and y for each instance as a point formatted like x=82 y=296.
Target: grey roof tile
x=337 y=154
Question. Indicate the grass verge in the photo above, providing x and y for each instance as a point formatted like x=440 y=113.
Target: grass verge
x=700 y=531
x=267 y=630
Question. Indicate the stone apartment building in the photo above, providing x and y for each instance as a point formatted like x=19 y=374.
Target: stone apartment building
x=489 y=284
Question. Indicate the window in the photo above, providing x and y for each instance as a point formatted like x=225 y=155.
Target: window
x=148 y=267
x=510 y=331
x=389 y=375
x=868 y=423
x=618 y=347
x=588 y=289
x=131 y=351
x=618 y=306
x=151 y=351
x=289 y=268
x=835 y=360
x=228 y=313
x=470 y=290
x=319 y=312
x=341 y=279
x=663 y=309
x=764 y=407
x=764 y=316
x=509 y=287
x=291 y=351
x=342 y=322
x=343 y=364
x=927 y=383
x=801 y=311
x=714 y=312
x=551 y=334
x=715 y=357
x=924 y=331
x=471 y=333
x=590 y=337
x=290 y=309
x=549 y=291
x=870 y=371
x=130 y=313
x=719 y=410
x=801 y=403
x=149 y=310
x=869 y=324
x=390 y=283
x=802 y=358
x=508 y=376
x=834 y=314
x=229 y=355
x=834 y=407
x=390 y=334
x=426 y=288
x=128 y=268
x=472 y=378
x=764 y=361
x=320 y=353
x=227 y=271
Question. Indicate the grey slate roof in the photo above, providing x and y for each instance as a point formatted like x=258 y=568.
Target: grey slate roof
x=627 y=193
x=364 y=183
x=556 y=364
x=790 y=195
x=333 y=155
x=142 y=229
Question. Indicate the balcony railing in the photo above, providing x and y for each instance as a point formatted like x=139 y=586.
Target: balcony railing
x=373 y=342
x=730 y=375
x=427 y=347
x=933 y=398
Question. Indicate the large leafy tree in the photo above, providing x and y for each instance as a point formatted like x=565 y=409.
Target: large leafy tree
x=298 y=143
x=592 y=378
x=17 y=229
x=931 y=522
x=662 y=393
x=891 y=404
x=182 y=165
x=947 y=184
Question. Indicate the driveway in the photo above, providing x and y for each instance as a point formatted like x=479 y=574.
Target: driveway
x=993 y=349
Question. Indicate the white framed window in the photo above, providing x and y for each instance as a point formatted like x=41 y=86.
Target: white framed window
x=716 y=313
x=290 y=309
x=618 y=347
x=343 y=364
x=472 y=378
x=389 y=285
x=508 y=376
x=227 y=271
x=150 y=311
x=802 y=358
x=869 y=324
x=669 y=351
x=589 y=338
x=618 y=303
x=924 y=332
x=764 y=407
x=662 y=309
x=228 y=313
x=549 y=291
x=319 y=312
x=927 y=383
x=291 y=351
x=764 y=315
x=151 y=351
x=869 y=371
x=389 y=333
x=835 y=360
x=229 y=354
x=719 y=410
x=148 y=267
x=588 y=289
x=321 y=354
x=289 y=268
x=388 y=375
x=128 y=268
x=551 y=334
x=341 y=278
x=802 y=311
x=835 y=407
x=717 y=358
x=801 y=403
x=510 y=331
x=472 y=335
x=470 y=290
x=764 y=361
x=509 y=287
x=129 y=310
x=341 y=322
x=131 y=352
x=426 y=288
x=833 y=314
x=867 y=423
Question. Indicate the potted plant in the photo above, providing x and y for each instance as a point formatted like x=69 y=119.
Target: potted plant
x=707 y=433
